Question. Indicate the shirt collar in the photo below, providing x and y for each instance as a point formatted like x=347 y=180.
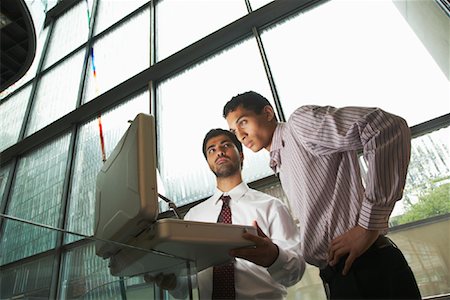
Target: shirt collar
x=236 y=193
x=277 y=139
x=275 y=147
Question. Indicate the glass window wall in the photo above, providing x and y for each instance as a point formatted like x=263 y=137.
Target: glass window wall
x=70 y=31
x=119 y=55
x=88 y=161
x=12 y=113
x=191 y=104
x=109 y=12
x=56 y=93
x=35 y=196
x=340 y=54
x=197 y=19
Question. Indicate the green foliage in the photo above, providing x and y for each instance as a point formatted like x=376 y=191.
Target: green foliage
x=435 y=202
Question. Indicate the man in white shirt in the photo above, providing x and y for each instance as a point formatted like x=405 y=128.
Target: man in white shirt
x=277 y=243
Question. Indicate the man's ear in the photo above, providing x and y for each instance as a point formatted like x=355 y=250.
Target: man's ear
x=268 y=111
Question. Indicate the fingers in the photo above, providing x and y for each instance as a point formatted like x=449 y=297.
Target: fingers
x=348 y=263
x=259 y=230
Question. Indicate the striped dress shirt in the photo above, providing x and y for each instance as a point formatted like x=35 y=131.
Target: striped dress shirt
x=315 y=154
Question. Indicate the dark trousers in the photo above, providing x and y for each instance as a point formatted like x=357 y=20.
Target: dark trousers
x=380 y=273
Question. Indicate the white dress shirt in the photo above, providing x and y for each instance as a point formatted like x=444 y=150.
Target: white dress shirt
x=315 y=154
x=273 y=217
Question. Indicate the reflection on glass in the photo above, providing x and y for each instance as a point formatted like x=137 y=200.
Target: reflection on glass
x=12 y=112
x=191 y=104
x=27 y=280
x=109 y=12
x=35 y=196
x=119 y=55
x=197 y=19
x=56 y=93
x=88 y=160
x=355 y=60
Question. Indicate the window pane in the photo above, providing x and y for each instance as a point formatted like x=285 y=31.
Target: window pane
x=35 y=196
x=109 y=12
x=70 y=31
x=56 y=93
x=357 y=60
x=119 y=55
x=191 y=104
x=88 y=161
x=427 y=190
x=4 y=175
x=426 y=247
x=180 y=23
x=29 y=280
x=84 y=272
x=12 y=113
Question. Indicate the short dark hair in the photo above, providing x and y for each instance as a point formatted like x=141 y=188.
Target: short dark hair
x=219 y=131
x=249 y=100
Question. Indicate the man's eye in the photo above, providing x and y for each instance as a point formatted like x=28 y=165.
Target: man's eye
x=211 y=150
x=242 y=123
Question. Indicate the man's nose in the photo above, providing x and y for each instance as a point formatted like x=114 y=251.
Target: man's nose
x=240 y=134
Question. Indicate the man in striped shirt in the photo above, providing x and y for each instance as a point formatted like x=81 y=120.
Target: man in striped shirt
x=342 y=223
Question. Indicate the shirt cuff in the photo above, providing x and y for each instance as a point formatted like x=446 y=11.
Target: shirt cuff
x=373 y=217
x=279 y=263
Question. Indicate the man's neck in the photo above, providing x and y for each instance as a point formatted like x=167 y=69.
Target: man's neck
x=226 y=184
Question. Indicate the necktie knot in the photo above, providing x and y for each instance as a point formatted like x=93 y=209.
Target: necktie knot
x=226 y=200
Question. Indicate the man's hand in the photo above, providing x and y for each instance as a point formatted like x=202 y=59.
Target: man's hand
x=264 y=253
x=355 y=242
x=164 y=281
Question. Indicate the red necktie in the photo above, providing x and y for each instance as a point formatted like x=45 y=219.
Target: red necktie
x=223 y=276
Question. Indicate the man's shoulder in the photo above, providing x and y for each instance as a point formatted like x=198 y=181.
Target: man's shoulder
x=259 y=196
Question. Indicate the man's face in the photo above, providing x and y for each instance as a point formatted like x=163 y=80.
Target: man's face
x=223 y=157
x=251 y=129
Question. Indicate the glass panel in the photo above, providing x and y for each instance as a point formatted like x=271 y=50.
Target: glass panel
x=87 y=276
x=56 y=93
x=12 y=112
x=40 y=40
x=88 y=160
x=35 y=196
x=84 y=273
x=70 y=31
x=119 y=55
x=4 y=175
x=109 y=12
x=426 y=247
x=29 y=280
x=193 y=19
x=187 y=101
x=375 y=63
x=427 y=188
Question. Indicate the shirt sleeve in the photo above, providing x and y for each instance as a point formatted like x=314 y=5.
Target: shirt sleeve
x=385 y=140
x=289 y=267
